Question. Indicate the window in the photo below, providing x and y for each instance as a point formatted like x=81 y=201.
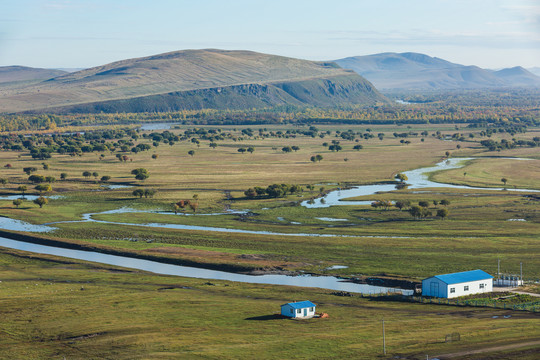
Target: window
x=299 y=311
x=466 y=288
x=312 y=309
x=481 y=286
x=452 y=290
x=292 y=311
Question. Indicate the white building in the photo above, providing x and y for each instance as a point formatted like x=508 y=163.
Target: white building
x=457 y=284
x=299 y=310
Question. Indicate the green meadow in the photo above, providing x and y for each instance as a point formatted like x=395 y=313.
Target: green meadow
x=56 y=307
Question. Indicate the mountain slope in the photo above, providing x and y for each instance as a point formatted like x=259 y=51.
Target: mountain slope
x=189 y=74
x=23 y=73
x=518 y=76
x=419 y=71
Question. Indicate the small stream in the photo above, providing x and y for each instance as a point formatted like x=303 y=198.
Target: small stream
x=324 y=282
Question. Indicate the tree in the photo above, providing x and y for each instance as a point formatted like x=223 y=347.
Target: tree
x=3 y=181
x=401 y=177
x=191 y=152
x=45 y=166
x=140 y=174
x=29 y=170
x=358 y=147
x=424 y=204
x=295 y=148
x=193 y=205
x=95 y=174
x=213 y=145
x=435 y=202
x=402 y=204
x=138 y=192
x=251 y=149
x=17 y=202
x=36 y=179
x=41 y=201
x=242 y=150
x=105 y=178
x=22 y=189
x=418 y=212
x=50 y=179
x=86 y=174
x=286 y=149
x=155 y=156
x=43 y=188
x=250 y=193
x=444 y=202
x=63 y=176
x=442 y=213
x=415 y=211
x=149 y=193
x=385 y=204
x=504 y=180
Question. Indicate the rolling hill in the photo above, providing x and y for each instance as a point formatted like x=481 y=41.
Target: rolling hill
x=9 y=74
x=194 y=79
x=413 y=71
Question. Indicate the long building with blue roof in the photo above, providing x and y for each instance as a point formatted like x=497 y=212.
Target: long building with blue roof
x=457 y=284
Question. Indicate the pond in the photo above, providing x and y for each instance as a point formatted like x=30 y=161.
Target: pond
x=324 y=282
x=158 y=126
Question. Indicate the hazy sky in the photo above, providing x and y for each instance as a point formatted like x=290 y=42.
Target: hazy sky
x=85 y=33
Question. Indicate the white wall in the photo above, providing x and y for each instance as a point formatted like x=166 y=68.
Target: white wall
x=436 y=288
x=474 y=288
x=286 y=311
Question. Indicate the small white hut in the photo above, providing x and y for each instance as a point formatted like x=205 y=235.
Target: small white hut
x=457 y=284
x=299 y=310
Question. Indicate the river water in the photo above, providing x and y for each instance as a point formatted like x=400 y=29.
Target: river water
x=417 y=179
x=324 y=282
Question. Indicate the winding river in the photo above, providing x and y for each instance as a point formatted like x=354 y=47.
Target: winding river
x=324 y=282
x=417 y=179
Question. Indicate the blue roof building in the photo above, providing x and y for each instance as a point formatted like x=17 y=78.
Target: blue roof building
x=457 y=284
x=299 y=309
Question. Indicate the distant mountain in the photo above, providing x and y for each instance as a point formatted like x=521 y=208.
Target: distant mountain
x=10 y=74
x=534 y=70
x=195 y=79
x=392 y=71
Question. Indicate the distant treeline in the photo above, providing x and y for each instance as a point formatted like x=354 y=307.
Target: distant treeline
x=474 y=107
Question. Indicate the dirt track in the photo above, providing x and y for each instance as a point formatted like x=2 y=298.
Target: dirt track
x=488 y=350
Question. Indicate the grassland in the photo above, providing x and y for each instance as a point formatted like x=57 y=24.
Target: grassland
x=483 y=226
x=53 y=308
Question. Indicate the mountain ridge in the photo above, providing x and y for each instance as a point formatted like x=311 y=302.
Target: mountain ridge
x=415 y=71
x=188 y=71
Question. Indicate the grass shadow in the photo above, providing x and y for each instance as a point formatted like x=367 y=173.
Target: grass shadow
x=267 y=317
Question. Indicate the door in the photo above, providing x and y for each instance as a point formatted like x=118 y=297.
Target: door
x=305 y=312
x=434 y=289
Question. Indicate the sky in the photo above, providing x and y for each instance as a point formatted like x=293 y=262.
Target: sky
x=85 y=33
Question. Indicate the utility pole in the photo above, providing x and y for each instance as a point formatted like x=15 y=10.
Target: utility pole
x=521 y=271
x=499 y=269
x=383 y=338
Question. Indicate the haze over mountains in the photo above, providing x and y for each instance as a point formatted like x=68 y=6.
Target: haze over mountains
x=413 y=71
x=194 y=79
